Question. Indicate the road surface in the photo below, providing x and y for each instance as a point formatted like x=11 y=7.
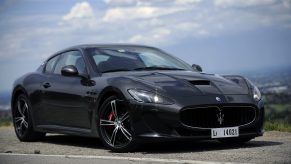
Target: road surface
x=273 y=147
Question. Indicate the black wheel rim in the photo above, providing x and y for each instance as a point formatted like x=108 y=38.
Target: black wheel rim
x=21 y=116
x=115 y=124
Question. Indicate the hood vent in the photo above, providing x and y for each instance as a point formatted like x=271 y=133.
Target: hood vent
x=200 y=82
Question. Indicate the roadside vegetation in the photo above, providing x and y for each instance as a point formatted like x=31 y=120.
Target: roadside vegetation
x=277 y=126
x=5 y=122
x=278 y=112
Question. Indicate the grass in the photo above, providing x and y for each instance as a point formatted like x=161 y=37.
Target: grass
x=277 y=125
x=5 y=122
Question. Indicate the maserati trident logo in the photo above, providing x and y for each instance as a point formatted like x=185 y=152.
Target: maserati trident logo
x=220 y=117
x=218 y=99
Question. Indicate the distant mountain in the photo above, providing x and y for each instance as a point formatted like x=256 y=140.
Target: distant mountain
x=273 y=80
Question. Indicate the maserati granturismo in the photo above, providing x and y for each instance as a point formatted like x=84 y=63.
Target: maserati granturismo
x=130 y=94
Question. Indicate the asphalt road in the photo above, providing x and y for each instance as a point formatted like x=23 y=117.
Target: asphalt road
x=273 y=147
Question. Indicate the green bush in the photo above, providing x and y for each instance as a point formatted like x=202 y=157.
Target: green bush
x=278 y=112
x=5 y=122
x=277 y=125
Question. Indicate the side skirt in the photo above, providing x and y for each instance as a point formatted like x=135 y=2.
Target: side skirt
x=65 y=130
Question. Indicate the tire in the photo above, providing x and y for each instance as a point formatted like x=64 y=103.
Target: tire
x=114 y=126
x=234 y=141
x=22 y=121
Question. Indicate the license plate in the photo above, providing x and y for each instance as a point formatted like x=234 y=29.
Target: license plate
x=224 y=132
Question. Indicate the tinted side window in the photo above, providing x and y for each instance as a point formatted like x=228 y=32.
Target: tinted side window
x=71 y=58
x=50 y=64
x=107 y=60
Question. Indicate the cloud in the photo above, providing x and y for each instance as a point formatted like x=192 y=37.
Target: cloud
x=152 y=37
x=26 y=39
x=79 y=11
x=140 y=21
x=138 y=12
x=7 y=4
x=287 y=3
x=187 y=2
x=145 y=22
x=242 y=3
x=150 y=3
x=120 y=2
x=141 y=2
x=187 y=26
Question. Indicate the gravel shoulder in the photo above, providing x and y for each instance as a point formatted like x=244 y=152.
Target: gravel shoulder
x=273 y=147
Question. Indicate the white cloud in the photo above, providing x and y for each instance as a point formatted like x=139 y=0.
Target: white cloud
x=79 y=11
x=120 y=2
x=287 y=3
x=242 y=3
x=187 y=2
x=136 y=2
x=157 y=22
x=150 y=3
x=139 y=12
x=145 y=24
x=152 y=37
x=203 y=33
x=187 y=26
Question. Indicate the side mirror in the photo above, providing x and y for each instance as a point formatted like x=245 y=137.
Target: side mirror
x=197 y=67
x=70 y=70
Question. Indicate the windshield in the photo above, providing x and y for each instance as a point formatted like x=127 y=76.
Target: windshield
x=134 y=59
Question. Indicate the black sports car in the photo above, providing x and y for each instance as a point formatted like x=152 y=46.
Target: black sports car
x=129 y=94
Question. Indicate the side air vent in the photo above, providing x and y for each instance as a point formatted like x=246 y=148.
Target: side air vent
x=200 y=82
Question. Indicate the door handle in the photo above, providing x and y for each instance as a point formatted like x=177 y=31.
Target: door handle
x=46 y=85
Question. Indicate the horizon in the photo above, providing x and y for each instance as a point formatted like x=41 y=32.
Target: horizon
x=246 y=73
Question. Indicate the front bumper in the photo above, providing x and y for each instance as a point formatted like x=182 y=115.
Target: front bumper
x=163 y=122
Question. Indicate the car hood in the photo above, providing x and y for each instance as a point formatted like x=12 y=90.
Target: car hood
x=185 y=83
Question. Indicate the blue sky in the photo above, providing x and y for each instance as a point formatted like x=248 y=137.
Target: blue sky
x=226 y=36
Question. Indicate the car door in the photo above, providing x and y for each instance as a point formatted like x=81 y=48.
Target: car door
x=41 y=117
x=64 y=97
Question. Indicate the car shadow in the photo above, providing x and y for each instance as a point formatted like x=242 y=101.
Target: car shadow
x=158 y=148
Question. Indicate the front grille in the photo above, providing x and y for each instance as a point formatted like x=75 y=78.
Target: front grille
x=216 y=117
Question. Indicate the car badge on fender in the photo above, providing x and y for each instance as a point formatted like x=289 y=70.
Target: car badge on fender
x=218 y=99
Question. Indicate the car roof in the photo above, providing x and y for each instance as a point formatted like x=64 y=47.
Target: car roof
x=108 y=46
x=84 y=46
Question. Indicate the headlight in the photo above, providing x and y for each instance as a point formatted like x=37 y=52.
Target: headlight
x=256 y=93
x=149 y=97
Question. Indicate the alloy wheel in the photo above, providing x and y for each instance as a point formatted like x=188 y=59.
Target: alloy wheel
x=21 y=117
x=115 y=124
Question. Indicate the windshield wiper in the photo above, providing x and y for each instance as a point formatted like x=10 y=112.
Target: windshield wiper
x=115 y=70
x=157 y=68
